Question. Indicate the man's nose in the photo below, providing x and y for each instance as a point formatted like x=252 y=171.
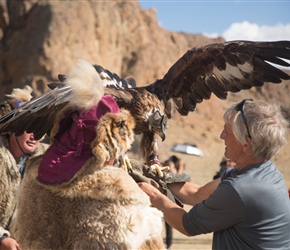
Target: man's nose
x=31 y=136
x=222 y=135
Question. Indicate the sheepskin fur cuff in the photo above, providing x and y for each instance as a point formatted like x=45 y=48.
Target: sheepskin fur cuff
x=4 y=236
x=4 y=231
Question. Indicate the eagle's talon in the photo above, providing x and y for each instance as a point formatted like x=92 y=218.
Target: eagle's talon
x=158 y=169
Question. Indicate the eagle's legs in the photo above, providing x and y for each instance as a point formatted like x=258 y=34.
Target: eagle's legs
x=154 y=165
x=159 y=169
x=149 y=146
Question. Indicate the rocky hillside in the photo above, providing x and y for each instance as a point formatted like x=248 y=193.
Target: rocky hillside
x=40 y=39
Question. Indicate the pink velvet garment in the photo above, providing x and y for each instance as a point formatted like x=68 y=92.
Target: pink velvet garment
x=72 y=145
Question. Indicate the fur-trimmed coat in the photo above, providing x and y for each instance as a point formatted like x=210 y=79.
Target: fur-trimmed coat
x=10 y=178
x=100 y=209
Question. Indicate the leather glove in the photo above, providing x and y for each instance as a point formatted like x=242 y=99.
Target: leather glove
x=143 y=173
x=138 y=176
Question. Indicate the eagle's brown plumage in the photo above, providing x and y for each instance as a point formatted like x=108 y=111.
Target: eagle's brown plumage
x=148 y=112
x=221 y=68
x=215 y=68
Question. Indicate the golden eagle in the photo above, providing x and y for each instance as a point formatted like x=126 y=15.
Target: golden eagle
x=215 y=68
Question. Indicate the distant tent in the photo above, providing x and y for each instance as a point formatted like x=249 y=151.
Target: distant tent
x=189 y=149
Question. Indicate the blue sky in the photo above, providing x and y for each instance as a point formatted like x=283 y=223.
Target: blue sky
x=250 y=20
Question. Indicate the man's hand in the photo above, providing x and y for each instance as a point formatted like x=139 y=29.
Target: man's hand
x=143 y=173
x=139 y=177
x=151 y=191
x=9 y=244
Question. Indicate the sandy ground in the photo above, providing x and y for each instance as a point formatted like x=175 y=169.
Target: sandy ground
x=202 y=242
x=182 y=242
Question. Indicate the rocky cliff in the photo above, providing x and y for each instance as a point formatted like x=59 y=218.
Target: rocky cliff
x=40 y=39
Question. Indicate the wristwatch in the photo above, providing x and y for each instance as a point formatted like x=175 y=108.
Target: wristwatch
x=4 y=236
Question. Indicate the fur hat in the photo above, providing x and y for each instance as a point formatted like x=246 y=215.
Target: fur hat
x=15 y=99
x=20 y=96
x=75 y=127
x=72 y=147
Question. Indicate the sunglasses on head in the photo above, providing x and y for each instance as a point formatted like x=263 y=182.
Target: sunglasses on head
x=240 y=107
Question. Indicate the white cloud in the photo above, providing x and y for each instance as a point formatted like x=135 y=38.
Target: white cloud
x=254 y=32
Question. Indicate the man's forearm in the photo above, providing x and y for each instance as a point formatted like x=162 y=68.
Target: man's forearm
x=190 y=193
x=171 y=211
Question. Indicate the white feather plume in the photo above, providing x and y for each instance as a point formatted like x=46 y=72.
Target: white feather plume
x=86 y=84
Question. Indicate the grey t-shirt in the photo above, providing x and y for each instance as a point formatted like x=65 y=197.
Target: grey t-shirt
x=250 y=209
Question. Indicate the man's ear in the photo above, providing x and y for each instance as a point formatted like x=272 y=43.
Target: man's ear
x=248 y=145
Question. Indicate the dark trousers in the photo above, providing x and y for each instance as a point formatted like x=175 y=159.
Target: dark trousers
x=168 y=240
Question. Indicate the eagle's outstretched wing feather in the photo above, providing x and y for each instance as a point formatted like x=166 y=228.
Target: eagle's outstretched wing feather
x=37 y=115
x=219 y=69
x=201 y=71
x=112 y=79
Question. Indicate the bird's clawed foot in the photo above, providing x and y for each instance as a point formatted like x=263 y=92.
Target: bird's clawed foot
x=158 y=169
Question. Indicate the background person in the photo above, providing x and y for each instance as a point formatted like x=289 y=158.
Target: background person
x=13 y=153
x=224 y=165
x=178 y=165
x=240 y=210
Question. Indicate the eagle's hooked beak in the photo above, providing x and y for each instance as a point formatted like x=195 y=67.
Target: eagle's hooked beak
x=164 y=126
x=159 y=124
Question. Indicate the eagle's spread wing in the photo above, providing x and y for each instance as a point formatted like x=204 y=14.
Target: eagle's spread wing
x=221 y=68
x=113 y=80
x=37 y=115
x=216 y=68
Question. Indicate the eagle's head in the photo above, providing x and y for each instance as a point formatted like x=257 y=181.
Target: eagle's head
x=158 y=123
x=148 y=112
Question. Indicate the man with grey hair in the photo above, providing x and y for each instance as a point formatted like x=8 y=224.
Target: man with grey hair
x=248 y=207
